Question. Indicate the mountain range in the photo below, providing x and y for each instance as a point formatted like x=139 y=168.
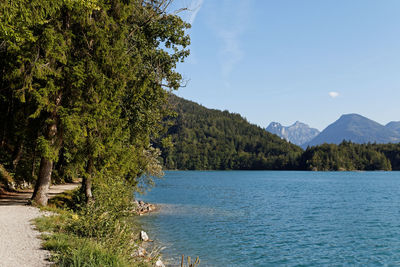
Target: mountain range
x=298 y=133
x=349 y=127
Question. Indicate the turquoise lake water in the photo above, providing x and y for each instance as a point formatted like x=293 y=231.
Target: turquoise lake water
x=267 y=218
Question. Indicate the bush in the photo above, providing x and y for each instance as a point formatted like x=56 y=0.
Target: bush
x=100 y=233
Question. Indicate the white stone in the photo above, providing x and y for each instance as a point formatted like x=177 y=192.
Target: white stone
x=159 y=263
x=144 y=236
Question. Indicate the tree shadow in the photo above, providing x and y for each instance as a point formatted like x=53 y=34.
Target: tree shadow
x=22 y=198
x=15 y=199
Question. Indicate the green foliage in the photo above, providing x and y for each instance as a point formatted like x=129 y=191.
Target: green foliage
x=74 y=251
x=345 y=157
x=205 y=139
x=68 y=200
x=101 y=218
x=391 y=151
x=45 y=149
x=100 y=233
x=83 y=83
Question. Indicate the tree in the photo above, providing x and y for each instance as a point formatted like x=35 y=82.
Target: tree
x=34 y=55
x=93 y=76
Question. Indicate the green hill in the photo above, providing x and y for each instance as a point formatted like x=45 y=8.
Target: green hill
x=209 y=139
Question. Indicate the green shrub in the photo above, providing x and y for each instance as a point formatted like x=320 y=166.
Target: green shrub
x=69 y=200
x=99 y=233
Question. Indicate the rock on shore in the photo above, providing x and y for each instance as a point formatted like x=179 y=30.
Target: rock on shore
x=143 y=207
x=144 y=236
x=159 y=263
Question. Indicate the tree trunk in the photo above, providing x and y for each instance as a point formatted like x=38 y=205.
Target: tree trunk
x=87 y=188
x=87 y=181
x=42 y=185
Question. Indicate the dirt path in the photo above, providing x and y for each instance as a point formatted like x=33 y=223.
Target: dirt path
x=19 y=241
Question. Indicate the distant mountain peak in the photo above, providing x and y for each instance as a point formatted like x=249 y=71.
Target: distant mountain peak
x=298 y=133
x=353 y=116
x=356 y=128
x=299 y=124
x=274 y=124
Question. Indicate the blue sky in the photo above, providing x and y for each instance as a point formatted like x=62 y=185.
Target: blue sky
x=288 y=60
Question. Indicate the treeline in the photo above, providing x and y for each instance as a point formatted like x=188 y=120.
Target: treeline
x=205 y=139
x=349 y=156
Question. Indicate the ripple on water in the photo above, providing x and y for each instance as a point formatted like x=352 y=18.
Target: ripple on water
x=278 y=218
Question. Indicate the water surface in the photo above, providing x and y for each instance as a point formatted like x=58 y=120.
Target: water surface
x=266 y=218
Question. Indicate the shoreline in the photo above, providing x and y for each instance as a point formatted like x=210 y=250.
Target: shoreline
x=147 y=248
x=142 y=207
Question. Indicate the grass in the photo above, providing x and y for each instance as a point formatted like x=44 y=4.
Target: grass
x=64 y=236
x=78 y=252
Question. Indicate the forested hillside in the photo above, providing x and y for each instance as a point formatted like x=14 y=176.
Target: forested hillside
x=198 y=138
x=208 y=139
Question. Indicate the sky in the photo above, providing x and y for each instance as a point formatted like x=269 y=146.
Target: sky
x=294 y=60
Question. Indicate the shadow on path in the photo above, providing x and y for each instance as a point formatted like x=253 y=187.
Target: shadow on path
x=22 y=198
x=15 y=199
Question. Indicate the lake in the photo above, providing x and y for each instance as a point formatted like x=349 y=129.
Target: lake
x=277 y=218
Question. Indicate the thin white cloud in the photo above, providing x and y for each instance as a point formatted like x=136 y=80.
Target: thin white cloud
x=187 y=9
x=231 y=51
x=228 y=20
x=194 y=8
x=333 y=94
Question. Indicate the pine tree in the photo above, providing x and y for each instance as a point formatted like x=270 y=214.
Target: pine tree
x=92 y=75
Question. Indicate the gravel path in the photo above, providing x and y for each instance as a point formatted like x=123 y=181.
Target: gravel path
x=20 y=245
